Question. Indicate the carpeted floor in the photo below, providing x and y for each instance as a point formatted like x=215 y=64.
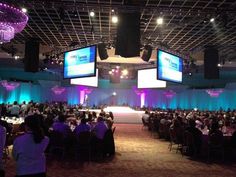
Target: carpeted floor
x=138 y=154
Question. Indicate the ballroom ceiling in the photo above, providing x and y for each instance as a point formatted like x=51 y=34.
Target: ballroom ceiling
x=186 y=26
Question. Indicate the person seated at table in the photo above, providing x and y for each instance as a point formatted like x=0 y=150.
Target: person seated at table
x=3 y=110
x=2 y=145
x=100 y=128
x=109 y=121
x=215 y=129
x=28 y=150
x=61 y=126
x=82 y=127
x=6 y=125
x=215 y=135
x=14 y=109
x=197 y=135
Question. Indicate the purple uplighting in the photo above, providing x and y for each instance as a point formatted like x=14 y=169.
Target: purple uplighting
x=169 y=93
x=9 y=86
x=13 y=21
x=214 y=92
x=58 y=90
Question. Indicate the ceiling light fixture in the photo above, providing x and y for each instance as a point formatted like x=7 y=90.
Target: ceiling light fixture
x=160 y=21
x=212 y=20
x=12 y=21
x=114 y=19
x=24 y=10
x=92 y=14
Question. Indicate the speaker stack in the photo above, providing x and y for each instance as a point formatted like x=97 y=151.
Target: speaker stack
x=128 y=31
x=211 y=60
x=31 y=60
x=147 y=53
x=102 y=51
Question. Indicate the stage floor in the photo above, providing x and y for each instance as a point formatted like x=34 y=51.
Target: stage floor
x=123 y=114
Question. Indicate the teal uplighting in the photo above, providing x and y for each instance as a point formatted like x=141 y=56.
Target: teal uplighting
x=25 y=91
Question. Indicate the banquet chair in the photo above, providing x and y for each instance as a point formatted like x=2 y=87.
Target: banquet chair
x=189 y=146
x=113 y=130
x=161 y=131
x=84 y=146
x=109 y=144
x=57 y=145
x=145 y=124
x=174 y=140
x=215 y=144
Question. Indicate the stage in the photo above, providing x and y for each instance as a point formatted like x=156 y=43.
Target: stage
x=123 y=114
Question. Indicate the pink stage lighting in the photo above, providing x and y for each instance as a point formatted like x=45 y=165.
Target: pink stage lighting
x=214 y=92
x=9 y=86
x=169 y=93
x=58 y=90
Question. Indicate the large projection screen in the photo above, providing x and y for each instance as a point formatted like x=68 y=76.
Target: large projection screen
x=147 y=79
x=86 y=81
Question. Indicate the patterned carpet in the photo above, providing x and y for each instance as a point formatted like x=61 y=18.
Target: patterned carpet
x=138 y=154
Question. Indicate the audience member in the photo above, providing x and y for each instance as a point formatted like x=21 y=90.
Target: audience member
x=2 y=145
x=28 y=150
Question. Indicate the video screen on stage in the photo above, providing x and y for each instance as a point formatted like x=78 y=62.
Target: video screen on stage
x=169 y=67
x=147 y=79
x=87 y=81
x=80 y=62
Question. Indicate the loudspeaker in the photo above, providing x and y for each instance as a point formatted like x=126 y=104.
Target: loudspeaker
x=31 y=60
x=211 y=59
x=147 y=53
x=128 y=34
x=102 y=51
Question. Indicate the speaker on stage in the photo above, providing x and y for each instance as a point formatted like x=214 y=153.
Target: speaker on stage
x=102 y=51
x=31 y=60
x=211 y=60
x=147 y=53
x=128 y=34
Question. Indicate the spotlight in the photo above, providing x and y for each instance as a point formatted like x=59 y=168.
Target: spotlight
x=117 y=67
x=219 y=65
x=24 y=10
x=190 y=74
x=212 y=20
x=121 y=77
x=16 y=57
x=114 y=19
x=92 y=14
x=114 y=93
x=110 y=72
x=112 y=10
x=160 y=21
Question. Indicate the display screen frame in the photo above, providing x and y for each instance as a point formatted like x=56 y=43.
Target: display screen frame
x=157 y=66
x=155 y=77
x=95 y=62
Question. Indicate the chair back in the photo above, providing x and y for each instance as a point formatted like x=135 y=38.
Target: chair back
x=109 y=144
x=84 y=138
x=188 y=139
x=216 y=139
x=173 y=137
x=113 y=130
x=56 y=138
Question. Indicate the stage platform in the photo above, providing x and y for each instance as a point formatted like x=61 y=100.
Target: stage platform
x=123 y=114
